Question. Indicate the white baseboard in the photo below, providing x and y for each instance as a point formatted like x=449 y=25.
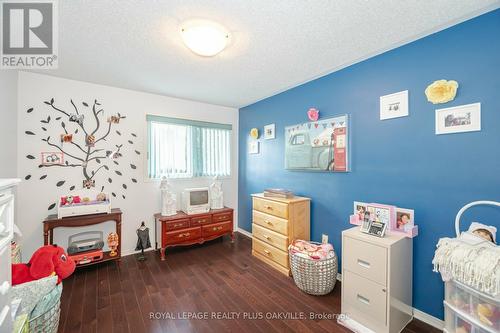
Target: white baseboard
x=417 y=314
x=428 y=319
x=129 y=253
x=244 y=232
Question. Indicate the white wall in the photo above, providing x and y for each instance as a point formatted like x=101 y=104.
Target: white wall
x=8 y=120
x=142 y=198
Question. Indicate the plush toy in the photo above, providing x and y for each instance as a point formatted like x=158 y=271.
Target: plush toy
x=46 y=261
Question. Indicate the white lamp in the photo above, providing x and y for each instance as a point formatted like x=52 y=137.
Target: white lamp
x=204 y=38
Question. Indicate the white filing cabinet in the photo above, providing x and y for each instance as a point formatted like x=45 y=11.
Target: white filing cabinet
x=6 y=234
x=377 y=280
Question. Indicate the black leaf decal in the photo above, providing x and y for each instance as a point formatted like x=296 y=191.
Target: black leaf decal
x=67 y=163
x=43 y=177
x=76 y=131
x=43 y=121
x=60 y=183
x=134 y=135
x=29 y=133
x=40 y=165
x=118 y=132
x=58 y=118
x=31 y=157
x=118 y=173
x=110 y=180
x=133 y=166
x=131 y=142
x=48 y=103
x=52 y=101
x=123 y=196
x=113 y=194
x=52 y=206
x=63 y=125
x=98 y=160
x=119 y=115
x=93 y=173
x=106 y=167
x=27 y=177
x=72 y=188
x=134 y=180
x=116 y=162
x=48 y=119
x=44 y=129
x=123 y=117
x=85 y=104
x=102 y=188
x=124 y=186
x=29 y=110
x=138 y=152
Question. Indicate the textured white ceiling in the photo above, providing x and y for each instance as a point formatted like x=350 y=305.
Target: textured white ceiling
x=276 y=44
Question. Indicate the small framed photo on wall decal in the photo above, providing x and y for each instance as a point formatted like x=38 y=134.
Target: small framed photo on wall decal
x=253 y=147
x=404 y=219
x=394 y=105
x=52 y=158
x=458 y=119
x=270 y=131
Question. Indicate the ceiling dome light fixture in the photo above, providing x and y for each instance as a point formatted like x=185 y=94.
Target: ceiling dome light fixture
x=204 y=38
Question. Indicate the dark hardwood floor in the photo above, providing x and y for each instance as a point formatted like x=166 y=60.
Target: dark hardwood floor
x=214 y=279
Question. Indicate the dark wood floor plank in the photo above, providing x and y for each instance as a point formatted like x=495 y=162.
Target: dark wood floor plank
x=89 y=320
x=217 y=278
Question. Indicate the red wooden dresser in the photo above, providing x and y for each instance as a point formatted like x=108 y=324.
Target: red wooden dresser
x=183 y=229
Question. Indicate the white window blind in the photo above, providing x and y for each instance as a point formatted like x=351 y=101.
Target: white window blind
x=180 y=148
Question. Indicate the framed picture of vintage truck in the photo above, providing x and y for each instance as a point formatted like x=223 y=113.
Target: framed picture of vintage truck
x=321 y=145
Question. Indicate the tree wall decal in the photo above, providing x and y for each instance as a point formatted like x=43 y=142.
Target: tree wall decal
x=83 y=141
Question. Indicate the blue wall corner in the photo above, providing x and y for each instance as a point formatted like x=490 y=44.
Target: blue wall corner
x=399 y=161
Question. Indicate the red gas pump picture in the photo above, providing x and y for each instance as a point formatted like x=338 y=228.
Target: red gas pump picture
x=340 y=149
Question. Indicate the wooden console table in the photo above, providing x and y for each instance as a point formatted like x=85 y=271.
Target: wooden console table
x=183 y=229
x=53 y=222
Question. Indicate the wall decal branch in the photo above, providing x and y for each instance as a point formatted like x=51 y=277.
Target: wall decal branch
x=92 y=156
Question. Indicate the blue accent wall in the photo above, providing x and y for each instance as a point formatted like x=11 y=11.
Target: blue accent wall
x=399 y=161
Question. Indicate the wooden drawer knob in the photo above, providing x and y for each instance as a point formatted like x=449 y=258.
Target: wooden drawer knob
x=267 y=237
x=269 y=207
x=267 y=252
x=268 y=222
x=184 y=235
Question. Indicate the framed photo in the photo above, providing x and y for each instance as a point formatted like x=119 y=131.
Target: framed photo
x=404 y=219
x=321 y=145
x=458 y=119
x=359 y=210
x=253 y=147
x=394 y=105
x=52 y=158
x=269 y=131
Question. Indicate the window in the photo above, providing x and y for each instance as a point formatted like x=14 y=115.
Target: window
x=180 y=148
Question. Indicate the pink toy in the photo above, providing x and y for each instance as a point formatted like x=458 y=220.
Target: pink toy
x=313 y=114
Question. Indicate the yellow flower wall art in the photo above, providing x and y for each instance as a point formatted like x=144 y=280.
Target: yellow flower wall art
x=441 y=91
x=254 y=133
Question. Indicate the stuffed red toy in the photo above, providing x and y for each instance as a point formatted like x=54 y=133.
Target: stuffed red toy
x=46 y=261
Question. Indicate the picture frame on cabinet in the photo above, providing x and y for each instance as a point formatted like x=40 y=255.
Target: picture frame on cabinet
x=405 y=219
x=270 y=132
x=459 y=119
x=394 y=105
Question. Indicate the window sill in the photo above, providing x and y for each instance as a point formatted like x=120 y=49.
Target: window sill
x=158 y=180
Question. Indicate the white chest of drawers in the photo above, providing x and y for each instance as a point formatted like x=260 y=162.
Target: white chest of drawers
x=6 y=235
x=377 y=280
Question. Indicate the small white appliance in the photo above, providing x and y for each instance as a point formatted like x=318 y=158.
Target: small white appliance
x=196 y=200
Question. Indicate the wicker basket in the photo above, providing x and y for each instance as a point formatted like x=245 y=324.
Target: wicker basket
x=315 y=277
x=47 y=322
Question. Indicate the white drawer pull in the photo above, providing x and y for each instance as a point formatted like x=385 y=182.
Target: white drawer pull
x=363 y=300
x=4 y=288
x=363 y=263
